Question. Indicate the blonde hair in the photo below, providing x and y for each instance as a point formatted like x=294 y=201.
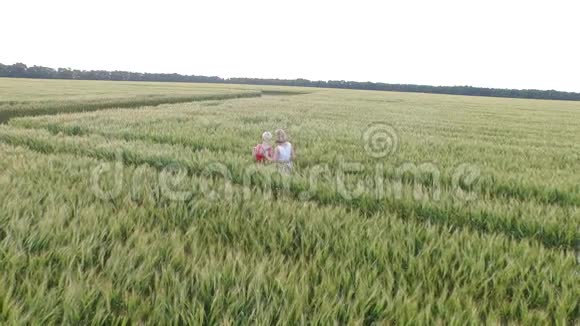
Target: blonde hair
x=281 y=136
x=267 y=136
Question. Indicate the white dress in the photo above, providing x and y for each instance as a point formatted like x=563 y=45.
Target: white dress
x=284 y=157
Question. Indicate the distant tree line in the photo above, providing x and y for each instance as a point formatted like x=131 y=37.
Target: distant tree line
x=20 y=70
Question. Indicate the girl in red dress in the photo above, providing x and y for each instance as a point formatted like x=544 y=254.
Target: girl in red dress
x=263 y=152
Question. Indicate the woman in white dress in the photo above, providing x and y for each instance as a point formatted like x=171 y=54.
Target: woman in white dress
x=283 y=153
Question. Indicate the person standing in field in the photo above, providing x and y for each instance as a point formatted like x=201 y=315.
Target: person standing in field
x=263 y=152
x=283 y=152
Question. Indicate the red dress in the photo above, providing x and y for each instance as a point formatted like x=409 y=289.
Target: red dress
x=261 y=152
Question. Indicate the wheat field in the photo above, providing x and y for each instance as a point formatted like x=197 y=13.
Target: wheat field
x=128 y=203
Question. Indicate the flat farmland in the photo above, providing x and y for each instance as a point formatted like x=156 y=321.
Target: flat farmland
x=140 y=202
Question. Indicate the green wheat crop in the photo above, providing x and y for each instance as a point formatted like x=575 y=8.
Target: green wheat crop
x=154 y=212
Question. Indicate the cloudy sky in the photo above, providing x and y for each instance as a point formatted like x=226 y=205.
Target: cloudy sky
x=491 y=43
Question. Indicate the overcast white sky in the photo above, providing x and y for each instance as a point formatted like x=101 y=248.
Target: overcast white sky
x=491 y=43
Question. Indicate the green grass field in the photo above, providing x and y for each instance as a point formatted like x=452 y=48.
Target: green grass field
x=402 y=208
